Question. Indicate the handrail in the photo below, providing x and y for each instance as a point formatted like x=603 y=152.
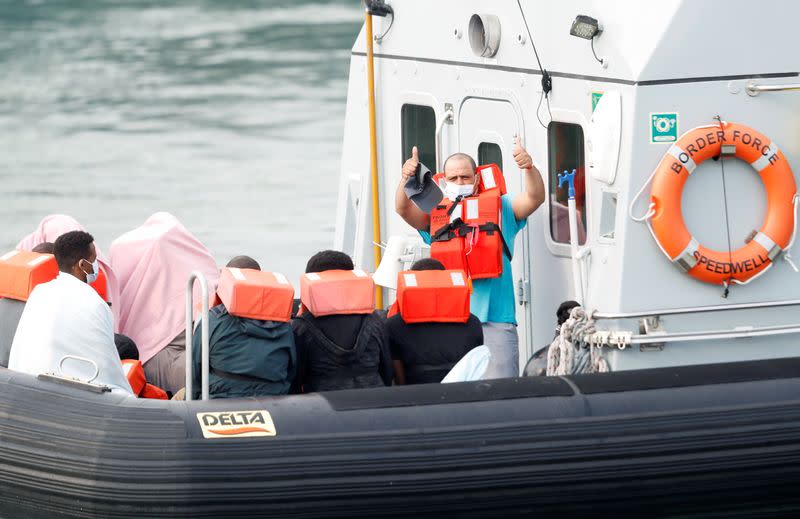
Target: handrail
x=694 y=310
x=709 y=335
x=447 y=118
x=84 y=359
x=373 y=155
x=754 y=89
x=197 y=275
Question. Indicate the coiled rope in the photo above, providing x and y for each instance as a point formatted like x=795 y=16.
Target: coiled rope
x=570 y=353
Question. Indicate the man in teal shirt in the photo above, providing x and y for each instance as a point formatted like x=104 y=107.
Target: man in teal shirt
x=492 y=299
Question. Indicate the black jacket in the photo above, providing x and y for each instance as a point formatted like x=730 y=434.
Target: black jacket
x=247 y=357
x=341 y=352
x=429 y=351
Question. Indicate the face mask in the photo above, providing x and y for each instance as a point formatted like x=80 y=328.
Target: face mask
x=453 y=190
x=91 y=278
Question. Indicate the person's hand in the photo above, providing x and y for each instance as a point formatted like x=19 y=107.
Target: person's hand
x=410 y=166
x=523 y=159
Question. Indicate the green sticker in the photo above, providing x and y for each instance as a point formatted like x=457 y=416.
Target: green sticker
x=663 y=127
x=596 y=99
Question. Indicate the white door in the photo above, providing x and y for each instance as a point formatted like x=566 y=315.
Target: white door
x=486 y=130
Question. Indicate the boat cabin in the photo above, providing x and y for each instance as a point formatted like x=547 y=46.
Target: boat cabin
x=468 y=77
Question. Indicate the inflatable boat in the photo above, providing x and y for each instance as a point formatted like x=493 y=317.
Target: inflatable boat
x=717 y=440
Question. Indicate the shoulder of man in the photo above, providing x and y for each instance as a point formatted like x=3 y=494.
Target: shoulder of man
x=395 y=324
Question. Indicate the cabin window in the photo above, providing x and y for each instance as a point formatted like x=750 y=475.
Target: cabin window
x=489 y=153
x=419 y=129
x=565 y=153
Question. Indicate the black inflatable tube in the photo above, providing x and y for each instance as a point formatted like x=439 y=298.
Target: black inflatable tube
x=703 y=440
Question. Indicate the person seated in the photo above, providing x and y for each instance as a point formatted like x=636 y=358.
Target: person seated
x=11 y=311
x=339 y=351
x=66 y=317
x=152 y=264
x=247 y=357
x=424 y=353
x=132 y=367
x=126 y=348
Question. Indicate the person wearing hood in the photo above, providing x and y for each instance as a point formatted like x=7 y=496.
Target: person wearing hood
x=247 y=357
x=153 y=263
x=492 y=300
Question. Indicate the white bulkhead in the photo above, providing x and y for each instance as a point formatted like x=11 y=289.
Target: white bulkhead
x=666 y=68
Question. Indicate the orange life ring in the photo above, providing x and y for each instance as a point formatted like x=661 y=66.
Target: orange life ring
x=669 y=230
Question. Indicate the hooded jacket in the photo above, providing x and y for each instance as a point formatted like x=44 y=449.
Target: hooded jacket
x=247 y=357
x=341 y=352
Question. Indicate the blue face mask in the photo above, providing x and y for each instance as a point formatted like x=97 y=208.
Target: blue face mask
x=91 y=278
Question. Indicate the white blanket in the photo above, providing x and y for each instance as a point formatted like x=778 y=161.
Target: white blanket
x=471 y=367
x=67 y=317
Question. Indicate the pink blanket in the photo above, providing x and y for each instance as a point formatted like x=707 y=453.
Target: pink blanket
x=152 y=264
x=54 y=225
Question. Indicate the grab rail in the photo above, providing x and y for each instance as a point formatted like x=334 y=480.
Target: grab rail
x=447 y=118
x=754 y=89
x=745 y=332
x=197 y=275
x=693 y=310
x=83 y=359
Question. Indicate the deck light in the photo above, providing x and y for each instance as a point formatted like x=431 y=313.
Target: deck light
x=585 y=27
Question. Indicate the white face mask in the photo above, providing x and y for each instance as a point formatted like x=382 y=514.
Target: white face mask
x=91 y=278
x=453 y=190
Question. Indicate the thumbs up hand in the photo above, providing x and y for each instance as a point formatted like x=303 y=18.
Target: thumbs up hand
x=523 y=159
x=410 y=165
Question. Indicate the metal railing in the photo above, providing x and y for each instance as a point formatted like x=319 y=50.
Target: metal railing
x=754 y=89
x=744 y=332
x=196 y=275
x=693 y=310
x=447 y=118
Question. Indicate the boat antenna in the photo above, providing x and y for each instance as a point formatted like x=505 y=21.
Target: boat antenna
x=725 y=205
x=547 y=80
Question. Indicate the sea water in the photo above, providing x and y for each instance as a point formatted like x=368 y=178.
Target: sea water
x=228 y=114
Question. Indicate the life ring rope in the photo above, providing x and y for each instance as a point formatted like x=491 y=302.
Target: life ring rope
x=664 y=216
x=787 y=255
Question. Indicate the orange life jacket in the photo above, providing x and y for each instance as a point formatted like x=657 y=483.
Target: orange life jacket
x=135 y=373
x=21 y=271
x=466 y=233
x=337 y=292
x=433 y=296
x=266 y=296
x=100 y=284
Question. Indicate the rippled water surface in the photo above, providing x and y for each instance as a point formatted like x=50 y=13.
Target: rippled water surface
x=227 y=113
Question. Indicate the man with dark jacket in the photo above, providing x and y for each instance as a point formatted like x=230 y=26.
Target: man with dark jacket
x=247 y=357
x=340 y=351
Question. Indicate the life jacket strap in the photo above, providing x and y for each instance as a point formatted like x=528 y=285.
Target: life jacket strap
x=489 y=229
x=454 y=205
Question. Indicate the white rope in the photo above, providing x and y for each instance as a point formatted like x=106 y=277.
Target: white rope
x=599 y=363
x=650 y=209
x=561 y=353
